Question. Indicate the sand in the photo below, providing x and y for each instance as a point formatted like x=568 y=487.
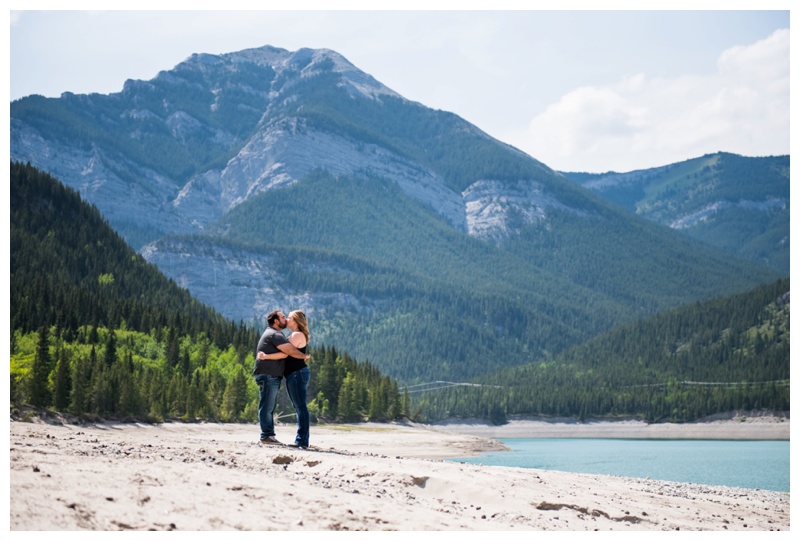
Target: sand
x=371 y=477
x=723 y=427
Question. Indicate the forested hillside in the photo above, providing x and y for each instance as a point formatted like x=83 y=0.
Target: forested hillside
x=429 y=302
x=426 y=299
x=412 y=238
x=96 y=330
x=722 y=355
x=736 y=203
x=69 y=268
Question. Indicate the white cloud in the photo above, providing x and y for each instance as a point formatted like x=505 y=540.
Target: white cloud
x=743 y=107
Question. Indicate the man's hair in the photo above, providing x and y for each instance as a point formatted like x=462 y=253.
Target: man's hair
x=273 y=317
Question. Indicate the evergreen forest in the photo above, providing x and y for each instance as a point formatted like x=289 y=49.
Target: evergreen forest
x=418 y=282
x=722 y=355
x=98 y=332
x=736 y=203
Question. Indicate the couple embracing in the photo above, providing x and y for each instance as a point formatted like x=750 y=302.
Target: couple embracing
x=277 y=358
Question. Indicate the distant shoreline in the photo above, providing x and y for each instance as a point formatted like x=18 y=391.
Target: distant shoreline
x=733 y=427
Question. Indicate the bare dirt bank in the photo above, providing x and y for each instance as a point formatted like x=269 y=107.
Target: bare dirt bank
x=722 y=427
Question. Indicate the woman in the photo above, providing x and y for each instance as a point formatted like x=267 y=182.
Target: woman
x=297 y=375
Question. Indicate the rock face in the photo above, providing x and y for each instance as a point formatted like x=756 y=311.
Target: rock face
x=286 y=151
x=131 y=197
x=145 y=200
x=243 y=284
x=496 y=209
x=164 y=160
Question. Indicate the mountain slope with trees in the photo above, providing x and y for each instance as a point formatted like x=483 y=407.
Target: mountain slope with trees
x=720 y=355
x=117 y=339
x=69 y=268
x=267 y=178
x=469 y=306
x=96 y=330
x=735 y=203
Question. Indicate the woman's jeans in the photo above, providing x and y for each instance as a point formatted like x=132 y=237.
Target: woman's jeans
x=296 y=386
x=268 y=387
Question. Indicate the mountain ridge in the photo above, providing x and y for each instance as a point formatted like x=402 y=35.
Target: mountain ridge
x=735 y=203
x=227 y=148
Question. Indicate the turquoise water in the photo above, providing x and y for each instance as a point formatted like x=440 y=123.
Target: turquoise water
x=744 y=464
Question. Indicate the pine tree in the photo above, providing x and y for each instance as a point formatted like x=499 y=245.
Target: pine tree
x=395 y=407
x=173 y=348
x=194 y=396
x=348 y=408
x=235 y=397
x=177 y=393
x=63 y=382
x=129 y=402
x=111 y=348
x=185 y=363
x=154 y=391
x=39 y=387
x=81 y=383
x=99 y=388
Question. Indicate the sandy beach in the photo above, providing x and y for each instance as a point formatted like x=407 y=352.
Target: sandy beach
x=370 y=477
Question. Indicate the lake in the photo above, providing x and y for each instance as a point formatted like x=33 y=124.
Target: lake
x=744 y=464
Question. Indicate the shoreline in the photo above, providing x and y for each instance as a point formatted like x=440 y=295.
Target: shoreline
x=364 y=477
x=735 y=427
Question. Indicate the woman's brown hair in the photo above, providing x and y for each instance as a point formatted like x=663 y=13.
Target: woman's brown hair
x=302 y=323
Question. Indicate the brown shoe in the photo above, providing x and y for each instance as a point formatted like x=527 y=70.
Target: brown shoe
x=270 y=440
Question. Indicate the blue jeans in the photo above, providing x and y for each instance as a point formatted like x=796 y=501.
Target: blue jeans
x=268 y=387
x=296 y=386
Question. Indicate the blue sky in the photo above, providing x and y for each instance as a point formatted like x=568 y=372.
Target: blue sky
x=579 y=90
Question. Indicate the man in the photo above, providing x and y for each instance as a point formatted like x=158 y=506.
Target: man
x=268 y=373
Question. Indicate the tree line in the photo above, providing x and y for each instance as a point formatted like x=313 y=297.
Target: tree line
x=131 y=375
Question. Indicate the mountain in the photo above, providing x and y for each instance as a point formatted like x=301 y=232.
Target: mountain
x=128 y=343
x=267 y=178
x=69 y=268
x=735 y=203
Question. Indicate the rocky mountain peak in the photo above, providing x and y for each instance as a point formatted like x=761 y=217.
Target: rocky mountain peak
x=386 y=209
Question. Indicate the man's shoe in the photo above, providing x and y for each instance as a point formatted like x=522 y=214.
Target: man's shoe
x=270 y=440
x=297 y=445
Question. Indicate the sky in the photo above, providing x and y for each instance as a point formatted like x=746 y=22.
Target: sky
x=593 y=91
